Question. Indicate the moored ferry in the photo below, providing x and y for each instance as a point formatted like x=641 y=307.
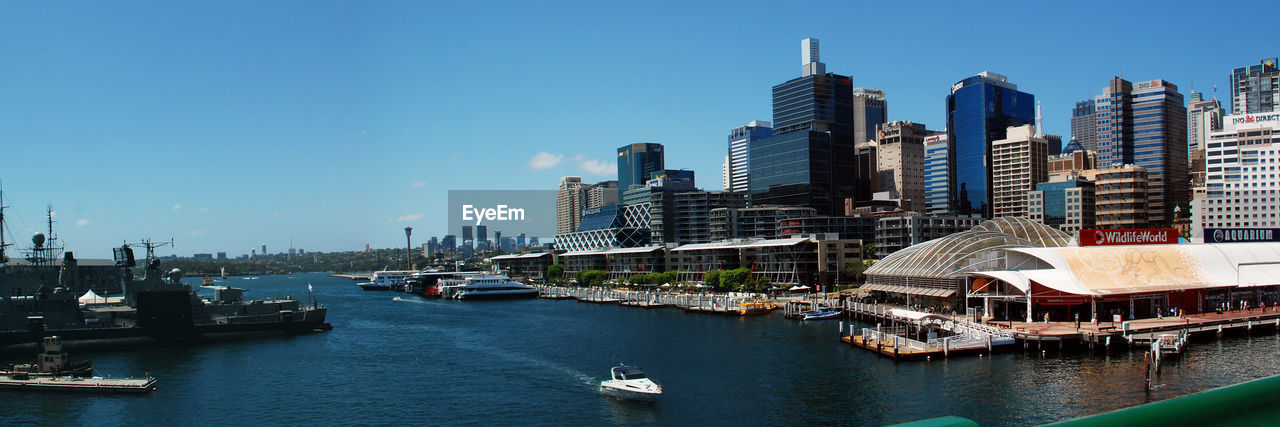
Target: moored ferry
x=760 y=306
x=385 y=280
x=493 y=286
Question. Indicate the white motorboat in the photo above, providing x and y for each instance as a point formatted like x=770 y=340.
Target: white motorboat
x=494 y=286
x=386 y=279
x=629 y=382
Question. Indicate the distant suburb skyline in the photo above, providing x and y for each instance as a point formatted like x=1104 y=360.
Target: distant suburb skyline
x=227 y=125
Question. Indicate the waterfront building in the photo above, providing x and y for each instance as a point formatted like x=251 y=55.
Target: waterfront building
x=637 y=164
x=1241 y=183
x=979 y=110
x=807 y=260
x=1255 y=88
x=1084 y=125
x=809 y=161
x=857 y=227
x=937 y=175
x=688 y=220
x=869 y=110
x=619 y=263
x=606 y=227
x=753 y=222
x=1019 y=162
x=1203 y=117
x=1065 y=202
x=737 y=165
x=570 y=201
x=524 y=266
x=1144 y=124
x=900 y=161
x=936 y=272
x=894 y=233
x=1121 y=200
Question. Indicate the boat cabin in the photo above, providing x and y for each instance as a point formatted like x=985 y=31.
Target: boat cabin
x=624 y=372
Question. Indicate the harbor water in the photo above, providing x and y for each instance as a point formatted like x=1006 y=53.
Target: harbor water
x=398 y=359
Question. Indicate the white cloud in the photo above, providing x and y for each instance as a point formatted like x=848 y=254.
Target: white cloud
x=204 y=209
x=577 y=158
x=82 y=222
x=409 y=217
x=544 y=160
x=200 y=232
x=177 y=207
x=598 y=167
x=419 y=184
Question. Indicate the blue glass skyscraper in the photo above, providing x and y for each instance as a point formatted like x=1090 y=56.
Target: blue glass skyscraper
x=809 y=161
x=637 y=163
x=937 y=182
x=979 y=110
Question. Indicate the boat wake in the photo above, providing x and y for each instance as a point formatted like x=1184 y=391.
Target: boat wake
x=412 y=300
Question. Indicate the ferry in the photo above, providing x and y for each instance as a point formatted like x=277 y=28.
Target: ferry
x=826 y=313
x=493 y=286
x=386 y=279
x=760 y=306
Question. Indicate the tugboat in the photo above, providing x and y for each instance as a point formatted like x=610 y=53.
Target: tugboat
x=54 y=371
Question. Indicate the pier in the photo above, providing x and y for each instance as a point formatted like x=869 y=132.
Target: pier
x=710 y=303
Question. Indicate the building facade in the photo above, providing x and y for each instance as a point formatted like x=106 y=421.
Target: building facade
x=1203 y=117
x=738 y=164
x=1084 y=124
x=900 y=161
x=1241 y=184
x=637 y=163
x=937 y=176
x=571 y=199
x=979 y=110
x=1255 y=88
x=755 y=222
x=1144 y=124
x=689 y=219
x=1019 y=162
x=1065 y=202
x=897 y=232
x=869 y=110
x=1121 y=200
x=809 y=161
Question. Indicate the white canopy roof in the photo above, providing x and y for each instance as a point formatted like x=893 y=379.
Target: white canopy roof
x=91 y=296
x=1114 y=270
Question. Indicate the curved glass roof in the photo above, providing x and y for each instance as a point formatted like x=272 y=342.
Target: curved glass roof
x=979 y=249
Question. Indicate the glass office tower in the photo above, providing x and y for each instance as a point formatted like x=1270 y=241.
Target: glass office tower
x=979 y=110
x=637 y=163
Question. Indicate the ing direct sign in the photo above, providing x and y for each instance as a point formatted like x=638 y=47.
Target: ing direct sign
x=1128 y=236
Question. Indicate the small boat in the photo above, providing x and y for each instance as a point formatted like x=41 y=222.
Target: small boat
x=629 y=382
x=207 y=282
x=828 y=313
x=224 y=273
x=760 y=306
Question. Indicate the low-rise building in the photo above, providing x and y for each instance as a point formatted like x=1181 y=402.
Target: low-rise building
x=894 y=233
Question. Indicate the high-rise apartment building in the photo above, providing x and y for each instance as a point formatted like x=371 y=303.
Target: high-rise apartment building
x=979 y=111
x=1084 y=124
x=1255 y=88
x=1121 y=197
x=1019 y=162
x=937 y=179
x=637 y=163
x=738 y=162
x=809 y=161
x=869 y=110
x=900 y=162
x=600 y=194
x=570 y=201
x=1203 y=117
x=1144 y=124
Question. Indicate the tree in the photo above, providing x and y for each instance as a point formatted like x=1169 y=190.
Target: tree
x=555 y=273
x=869 y=251
x=853 y=269
x=711 y=278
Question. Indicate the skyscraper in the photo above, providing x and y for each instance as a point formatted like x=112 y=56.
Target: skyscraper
x=937 y=180
x=809 y=161
x=979 y=111
x=637 y=163
x=570 y=201
x=1203 y=116
x=1021 y=160
x=740 y=139
x=1256 y=88
x=900 y=162
x=468 y=240
x=1145 y=124
x=1084 y=125
x=869 y=110
x=600 y=194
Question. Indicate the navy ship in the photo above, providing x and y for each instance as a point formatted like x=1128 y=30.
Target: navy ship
x=39 y=297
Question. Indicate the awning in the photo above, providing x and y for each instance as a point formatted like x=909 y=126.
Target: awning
x=913 y=290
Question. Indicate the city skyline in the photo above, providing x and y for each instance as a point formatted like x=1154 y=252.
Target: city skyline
x=339 y=125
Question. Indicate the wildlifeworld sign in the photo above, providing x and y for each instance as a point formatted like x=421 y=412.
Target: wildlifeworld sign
x=1128 y=236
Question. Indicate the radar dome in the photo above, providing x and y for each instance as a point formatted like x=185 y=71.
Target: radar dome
x=38 y=239
x=175 y=274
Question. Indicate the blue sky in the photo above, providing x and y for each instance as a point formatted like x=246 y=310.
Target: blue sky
x=226 y=125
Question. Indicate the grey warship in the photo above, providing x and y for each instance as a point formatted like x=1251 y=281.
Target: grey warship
x=38 y=298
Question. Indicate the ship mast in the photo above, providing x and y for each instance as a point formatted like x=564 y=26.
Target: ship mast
x=3 y=257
